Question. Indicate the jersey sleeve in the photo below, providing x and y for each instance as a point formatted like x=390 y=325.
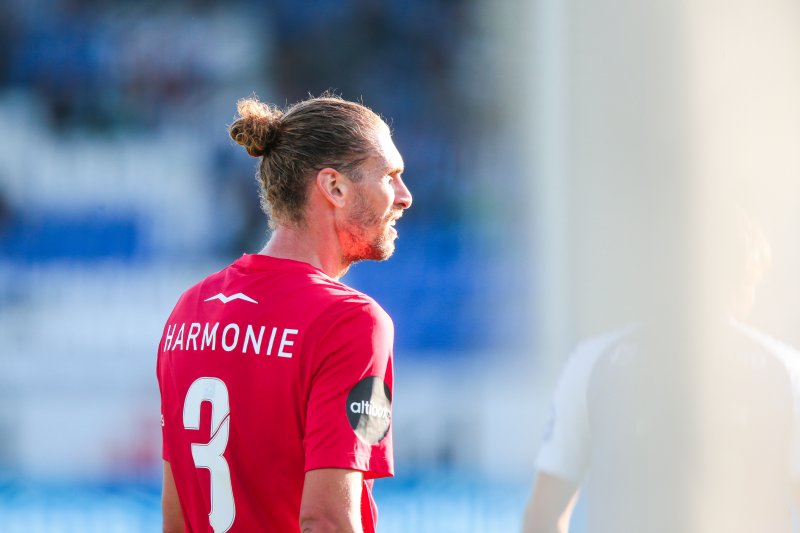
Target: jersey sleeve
x=790 y=357
x=349 y=410
x=793 y=365
x=565 y=448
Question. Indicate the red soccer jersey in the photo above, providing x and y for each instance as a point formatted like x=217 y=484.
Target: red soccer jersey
x=269 y=369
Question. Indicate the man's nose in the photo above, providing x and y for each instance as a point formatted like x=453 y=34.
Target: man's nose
x=402 y=196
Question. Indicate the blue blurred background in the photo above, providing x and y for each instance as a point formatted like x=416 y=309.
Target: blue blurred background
x=119 y=188
x=545 y=141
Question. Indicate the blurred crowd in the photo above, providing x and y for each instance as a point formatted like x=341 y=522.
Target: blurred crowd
x=105 y=71
x=119 y=187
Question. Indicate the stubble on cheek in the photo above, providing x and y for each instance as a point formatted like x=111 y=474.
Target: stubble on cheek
x=368 y=234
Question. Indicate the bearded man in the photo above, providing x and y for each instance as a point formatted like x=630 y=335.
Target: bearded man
x=276 y=379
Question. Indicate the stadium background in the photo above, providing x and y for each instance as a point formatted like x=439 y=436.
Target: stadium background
x=119 y=188
x=535 y=136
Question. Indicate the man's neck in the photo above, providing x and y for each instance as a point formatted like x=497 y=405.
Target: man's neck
x=317 y=248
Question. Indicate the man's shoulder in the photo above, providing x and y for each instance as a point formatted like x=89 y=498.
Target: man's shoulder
x=589 y=350
x=784 y=353
x=584 y=358
x=344 y=301
x=352 y=324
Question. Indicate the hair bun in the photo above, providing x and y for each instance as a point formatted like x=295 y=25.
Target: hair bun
x=256 y=128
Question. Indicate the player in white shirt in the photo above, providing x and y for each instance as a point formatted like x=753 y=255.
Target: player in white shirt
x=629 y=431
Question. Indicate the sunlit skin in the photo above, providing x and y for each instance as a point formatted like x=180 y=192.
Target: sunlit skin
x=348 y=218
x=369 y=230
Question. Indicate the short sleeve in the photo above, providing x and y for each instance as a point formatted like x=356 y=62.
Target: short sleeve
x=790 y=358
x=793 y=365
x=565 y=448
x=349 y=410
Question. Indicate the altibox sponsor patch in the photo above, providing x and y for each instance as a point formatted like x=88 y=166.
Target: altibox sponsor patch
x=369 y=409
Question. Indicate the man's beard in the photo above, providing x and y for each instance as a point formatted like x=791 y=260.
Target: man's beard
x=362 y=221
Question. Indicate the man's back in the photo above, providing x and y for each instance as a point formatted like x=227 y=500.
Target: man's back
x=260 y=367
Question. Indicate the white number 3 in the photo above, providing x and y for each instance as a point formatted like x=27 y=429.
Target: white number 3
x=209 y=456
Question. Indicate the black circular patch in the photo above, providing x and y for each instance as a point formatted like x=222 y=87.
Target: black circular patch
x=369 y=409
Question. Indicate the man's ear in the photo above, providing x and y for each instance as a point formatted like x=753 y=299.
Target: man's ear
x=333 y=186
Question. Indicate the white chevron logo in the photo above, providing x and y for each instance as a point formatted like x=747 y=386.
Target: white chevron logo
x=225 y=299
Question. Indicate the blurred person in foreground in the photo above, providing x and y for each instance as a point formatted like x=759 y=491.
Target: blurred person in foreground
x=686 y=421
x=275 y=378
